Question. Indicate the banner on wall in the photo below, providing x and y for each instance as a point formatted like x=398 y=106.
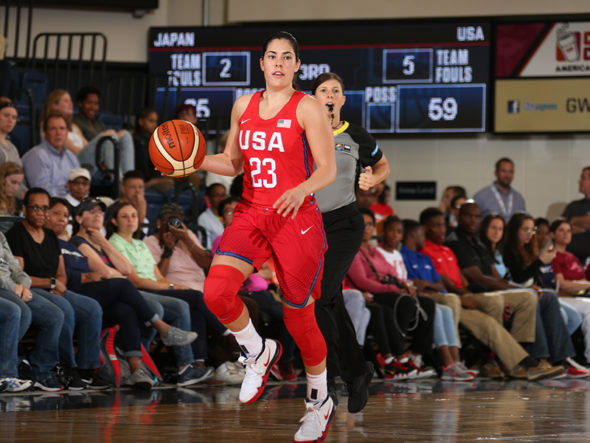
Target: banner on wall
x=542 y=105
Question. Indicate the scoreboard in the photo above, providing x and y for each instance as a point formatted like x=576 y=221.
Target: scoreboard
x=399 y=78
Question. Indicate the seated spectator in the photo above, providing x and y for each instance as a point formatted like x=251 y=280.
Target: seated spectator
x=146 y=124
x=578 y=214
x=451 y=220
x=8 y=118
x=520 y=306
x=146 y=275
x=11 y=179
x=14 y=288
x=78 y=186
x=88 y=99
x=500 y=197
x=570 y=276
x=422 y=272
x=48 y=164
x=187 y=112
x=210 y=219
x=364 y=199
x=530 y=267
x=542 y=236
x=171 y=315
x=117 y=296
x=13 y=326
x=381 y=207
x=448 y=194
x=360 y=315
x=37 y=250
x=491 y=235
x=446 y=331
x=371 y=273
x=133 y=191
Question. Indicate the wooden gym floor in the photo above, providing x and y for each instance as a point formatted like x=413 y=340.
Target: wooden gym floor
x=419 y=411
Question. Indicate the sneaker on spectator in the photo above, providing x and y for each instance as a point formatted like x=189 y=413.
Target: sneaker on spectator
x=287 y=371
x=575 y=369
x=399 y=370
x=231 y=372
x=316 y=421
x=491 y=369
x=380 y=360
x=473 y=372
x=178 y=337
x=49 y=384
x=140 y=380
x=71 y=379
x=193 y=374
x=415 y=361
x=3 y=385
x=96 y=384
x=15 y=384
x=542 y=370
x=454 y=372
x=257 y=370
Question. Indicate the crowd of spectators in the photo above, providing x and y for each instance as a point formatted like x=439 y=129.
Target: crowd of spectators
x=71 y=265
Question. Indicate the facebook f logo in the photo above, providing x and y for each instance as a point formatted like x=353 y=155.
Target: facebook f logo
x=513 y=106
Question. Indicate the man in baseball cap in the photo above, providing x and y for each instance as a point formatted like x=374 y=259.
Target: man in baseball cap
x=78 y=186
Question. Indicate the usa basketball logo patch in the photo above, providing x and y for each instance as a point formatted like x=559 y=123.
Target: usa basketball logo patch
x=284 y=123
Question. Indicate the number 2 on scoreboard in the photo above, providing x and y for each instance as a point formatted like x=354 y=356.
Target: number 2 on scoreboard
x=445 y=108
x=256 y=164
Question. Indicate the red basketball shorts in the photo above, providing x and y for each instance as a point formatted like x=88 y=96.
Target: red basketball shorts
x=296 y=245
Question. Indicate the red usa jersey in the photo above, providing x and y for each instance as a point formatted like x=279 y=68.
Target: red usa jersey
x=276 y=154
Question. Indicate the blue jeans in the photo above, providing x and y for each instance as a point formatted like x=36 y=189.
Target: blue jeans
x=444 y=333
x=85 y=314
x=49 y=318
x=571 y=317
x=14 y=323
x=176 y=313
x=552 y=339
x=87 y=156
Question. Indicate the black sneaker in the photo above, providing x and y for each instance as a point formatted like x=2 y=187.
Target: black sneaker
x=194 y=373
x=73 y=380
x=358 y=390
x=49 y=384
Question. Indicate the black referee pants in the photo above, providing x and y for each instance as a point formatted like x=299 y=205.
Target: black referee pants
x=344 y=232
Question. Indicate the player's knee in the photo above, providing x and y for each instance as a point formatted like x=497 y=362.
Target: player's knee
x=302 y=326
x=221 y=292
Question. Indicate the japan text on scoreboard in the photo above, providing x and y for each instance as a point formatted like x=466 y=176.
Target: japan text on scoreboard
x=398 y=77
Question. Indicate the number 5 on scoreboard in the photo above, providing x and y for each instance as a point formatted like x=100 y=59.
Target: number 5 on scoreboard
x=442 y=108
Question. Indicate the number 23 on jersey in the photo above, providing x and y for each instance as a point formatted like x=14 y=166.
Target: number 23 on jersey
x=262 y=170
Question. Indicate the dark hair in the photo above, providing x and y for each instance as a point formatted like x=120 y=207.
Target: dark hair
x=409 y=227
x=455 y=198
x=483 y=234
x=170 y=209
x=528 y=253
x=555 y=224
x=429 y=213
x=85 y=91
x=185 y=107
x=132 y=174
x=324 y=78
x=59 y=201
x=366 y=211
x=541 y=221
x=457 y=190
x=53 y=114
x=391 y=219
x=283 y=35
x=586 y=168
x=143 y=113
x=226 y=201
x=212 y=186
x=114 y=212
x=503 y=160
x=35 y=191
x=237 y=185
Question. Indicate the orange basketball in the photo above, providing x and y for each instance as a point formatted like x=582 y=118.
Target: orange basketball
x=177 y=148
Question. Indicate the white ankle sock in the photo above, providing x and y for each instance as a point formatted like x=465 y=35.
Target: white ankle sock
x=249 y=340
x=317 y=386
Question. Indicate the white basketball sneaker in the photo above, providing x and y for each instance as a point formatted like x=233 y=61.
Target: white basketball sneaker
x=316 y=421
x=257 y=370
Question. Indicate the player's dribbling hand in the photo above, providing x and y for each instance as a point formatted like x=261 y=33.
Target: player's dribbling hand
x=289 y=202
x=366 y=179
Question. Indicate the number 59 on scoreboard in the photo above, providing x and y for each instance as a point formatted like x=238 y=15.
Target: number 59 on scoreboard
x=441 y=108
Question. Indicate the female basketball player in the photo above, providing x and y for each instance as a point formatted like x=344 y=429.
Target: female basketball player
x=276 y=135
x=344 y=226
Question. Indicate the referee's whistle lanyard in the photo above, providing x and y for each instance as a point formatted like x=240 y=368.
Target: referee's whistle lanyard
x=505 y=211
